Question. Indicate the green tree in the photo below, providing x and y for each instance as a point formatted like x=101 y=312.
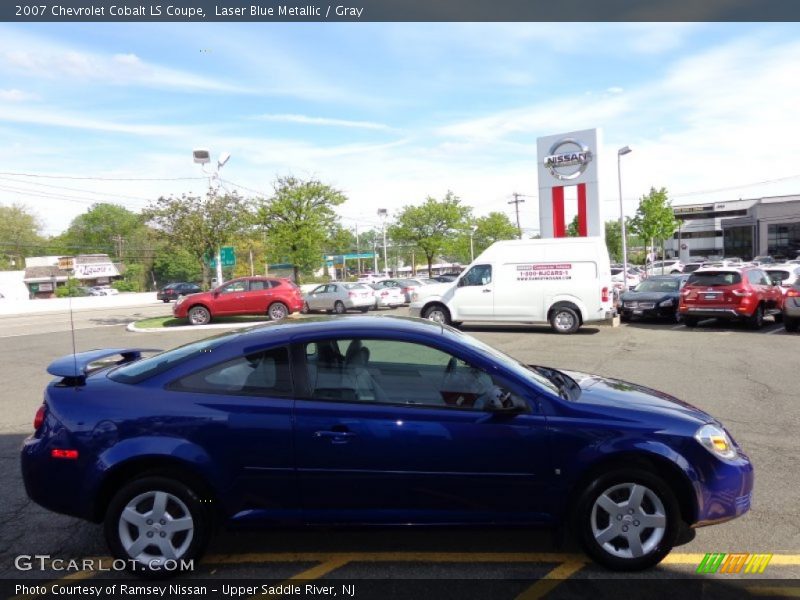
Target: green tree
x=172 y=264
x=572 y=228
x=103 y=228
x=654 y=218
x=429 y=225
x=200 y=224
x=297 y=220
x=614 y=240
x=486 y=231
x=19 y=236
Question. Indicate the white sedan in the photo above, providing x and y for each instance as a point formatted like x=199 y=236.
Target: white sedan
x=339 y=298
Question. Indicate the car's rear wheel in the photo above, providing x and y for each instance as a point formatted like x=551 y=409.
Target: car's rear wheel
x=155 y=523
x=364 y=309
x=165 y=300
x=563 y=319
x=629 y=520
x=756 y=320
x=339 y=307
x=199 y=315
x=790 y=324
x=277 y=311
x=438 y=314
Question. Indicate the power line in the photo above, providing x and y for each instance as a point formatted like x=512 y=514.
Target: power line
x=92 y=178
x=61 y=187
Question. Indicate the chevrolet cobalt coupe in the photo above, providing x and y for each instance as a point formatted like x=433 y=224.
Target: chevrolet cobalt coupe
x=371 y=420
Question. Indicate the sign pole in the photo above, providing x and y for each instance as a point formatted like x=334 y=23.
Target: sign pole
x=219 y=266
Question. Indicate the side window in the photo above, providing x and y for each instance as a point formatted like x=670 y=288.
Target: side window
x=260 y=374
x=764 y=279
x=318 y=290
x=234 y=287
x=394 y=372
x=478 y=275
x=259 y=285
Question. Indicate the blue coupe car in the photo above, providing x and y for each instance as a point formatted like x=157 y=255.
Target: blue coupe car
x=370 y=420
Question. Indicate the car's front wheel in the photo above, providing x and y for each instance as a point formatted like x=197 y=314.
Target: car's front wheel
x=199 y=315
x=339 y=308
x=156 y=524
x=629 y=520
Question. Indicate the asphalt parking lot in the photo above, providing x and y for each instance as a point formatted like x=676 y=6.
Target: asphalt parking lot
x=746 y=378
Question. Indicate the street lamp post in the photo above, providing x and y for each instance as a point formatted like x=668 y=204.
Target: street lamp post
x=203 y=157
x=620 y=153
x=471 y=246
x=383 y=213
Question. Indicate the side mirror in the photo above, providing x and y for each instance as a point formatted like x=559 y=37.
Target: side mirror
x=506 y=403
x=460 y=282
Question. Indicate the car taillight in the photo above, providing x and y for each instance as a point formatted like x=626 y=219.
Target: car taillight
x=38 y=420
x=351 y=295
x=742 y=293
x=604 y=297
x=62 y=453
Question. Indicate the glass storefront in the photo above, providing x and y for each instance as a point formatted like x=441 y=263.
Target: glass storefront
x=738 y=241
x=783 y=240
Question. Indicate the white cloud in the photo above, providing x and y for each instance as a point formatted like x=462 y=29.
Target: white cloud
x=323 y=121
x=14 y=95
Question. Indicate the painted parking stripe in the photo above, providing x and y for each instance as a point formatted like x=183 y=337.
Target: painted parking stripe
x=774 y=591
x=314 y=572
x=552 y=580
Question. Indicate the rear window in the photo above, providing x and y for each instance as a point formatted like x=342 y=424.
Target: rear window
x=149 y=367
x=776 y=275
x=712 y=278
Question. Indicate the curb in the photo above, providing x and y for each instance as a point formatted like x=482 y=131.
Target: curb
x=133 y=329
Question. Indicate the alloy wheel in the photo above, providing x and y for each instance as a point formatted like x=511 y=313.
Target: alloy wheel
x=154 y=527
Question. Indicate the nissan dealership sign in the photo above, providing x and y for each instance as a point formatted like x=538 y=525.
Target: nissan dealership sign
x=568 y=158
x=567 y=171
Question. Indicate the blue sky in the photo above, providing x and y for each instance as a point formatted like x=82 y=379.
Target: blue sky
x=391 y=113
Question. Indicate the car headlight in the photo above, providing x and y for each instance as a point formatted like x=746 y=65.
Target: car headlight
x=181 y=300
x=667 y=302
x=715 y=440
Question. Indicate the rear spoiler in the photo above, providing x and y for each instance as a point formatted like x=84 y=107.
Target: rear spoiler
x=77 y=365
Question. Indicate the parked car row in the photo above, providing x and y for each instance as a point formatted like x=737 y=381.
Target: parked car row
x=726 y=293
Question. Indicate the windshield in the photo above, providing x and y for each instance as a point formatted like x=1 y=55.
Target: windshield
x=777 y=275
x=148 y=367
x=658 y=285
x=714 y=278
x=512 y=364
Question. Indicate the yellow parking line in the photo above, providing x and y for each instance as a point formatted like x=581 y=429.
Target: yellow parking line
x=315 y=572
x=488 y=557
x=552 y=580
x=774 y=591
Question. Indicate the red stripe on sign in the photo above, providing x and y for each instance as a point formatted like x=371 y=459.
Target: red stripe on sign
x=583 y=229
x=559 y=227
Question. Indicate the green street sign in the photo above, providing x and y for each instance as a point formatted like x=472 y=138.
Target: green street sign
x=228 y=256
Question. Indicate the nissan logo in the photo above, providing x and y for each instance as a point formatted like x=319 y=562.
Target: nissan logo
x=573 y=159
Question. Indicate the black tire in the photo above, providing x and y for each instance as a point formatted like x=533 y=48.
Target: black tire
x=756 y=320
x=365 y=309
x=305 y=310
x=339 y=308
x=690 y=321
x=165 y=300
x=564 y=320
x=437 y=313
x=182 y=502
x=658 y=502
x=624 y=318
x=791 y=324
x=277 y=311
x=199 y=315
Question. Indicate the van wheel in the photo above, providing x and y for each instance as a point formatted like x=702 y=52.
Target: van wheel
x=438 y=314
x=564 y=320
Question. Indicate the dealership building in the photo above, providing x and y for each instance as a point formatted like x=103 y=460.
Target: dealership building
x=743 y=228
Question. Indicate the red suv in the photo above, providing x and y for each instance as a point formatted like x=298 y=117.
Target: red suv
x=745 y=294
x=277 y=298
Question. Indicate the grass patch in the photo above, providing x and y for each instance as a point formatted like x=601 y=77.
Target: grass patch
x=166 y=322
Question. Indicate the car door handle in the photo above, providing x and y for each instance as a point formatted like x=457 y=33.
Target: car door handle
x=336 y=437
x=486 y=291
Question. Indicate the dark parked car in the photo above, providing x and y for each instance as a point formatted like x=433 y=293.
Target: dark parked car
x=276 y=298
x=371 y=420
x=173 y=291
x=656 y=297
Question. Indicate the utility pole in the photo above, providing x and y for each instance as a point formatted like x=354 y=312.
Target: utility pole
x=118 y=239
x=358 y=252
x=516 y=201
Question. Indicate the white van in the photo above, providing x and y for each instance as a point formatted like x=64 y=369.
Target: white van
x=563 y=281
